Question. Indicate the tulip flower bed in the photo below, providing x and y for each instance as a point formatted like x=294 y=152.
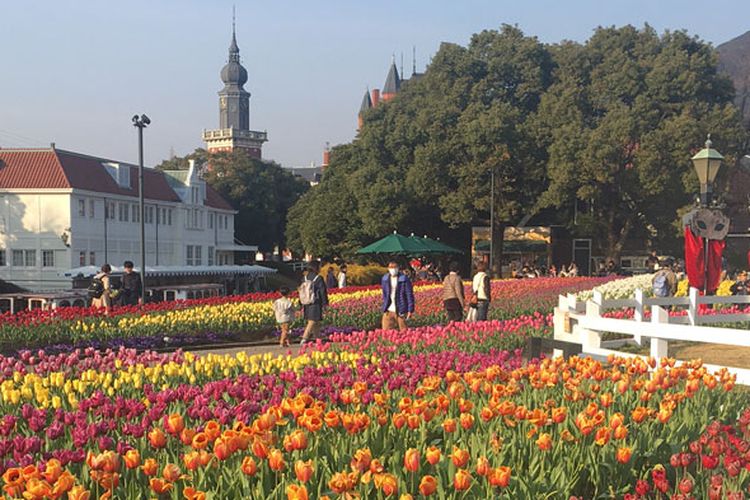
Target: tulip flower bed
x=449 y=412
x=251 y=316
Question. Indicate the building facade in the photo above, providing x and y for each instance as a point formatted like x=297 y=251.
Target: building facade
x=234 y=111
x=61 y=210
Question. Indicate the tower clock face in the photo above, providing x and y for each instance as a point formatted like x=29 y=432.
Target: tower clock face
x=223 y=103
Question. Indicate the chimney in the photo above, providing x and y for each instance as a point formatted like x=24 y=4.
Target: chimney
x=52 y=145
x=326 y=155
x=375 y=97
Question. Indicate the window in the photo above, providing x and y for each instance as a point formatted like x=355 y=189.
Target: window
x=211 y=220
x=197 y=255
x=148 y=215
x=189 y=255
x=164 y=216
x=24 y=258
x=3 y=262
x=169 y=217
x=158 y=217
x=92 y=208
x=210 y=256
x=92 y=258
x=136 y=213
x=82 y=208
x=82 y=258
x=124 y=212
x=110 y=210
x=48 y=258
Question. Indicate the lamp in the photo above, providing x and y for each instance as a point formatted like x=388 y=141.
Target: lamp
x=707 y=162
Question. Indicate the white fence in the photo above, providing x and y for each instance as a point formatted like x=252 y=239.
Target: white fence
x=583 y=323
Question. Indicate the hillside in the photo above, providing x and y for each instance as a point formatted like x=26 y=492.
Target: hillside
x=734 y=59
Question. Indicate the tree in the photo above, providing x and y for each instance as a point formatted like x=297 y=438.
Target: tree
x=620 y=122
x=262 y=193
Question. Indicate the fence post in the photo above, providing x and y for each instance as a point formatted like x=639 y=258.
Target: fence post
x=638 y=314
x=590 y=338
x=693 y=306
x=659 y=347
x=598 y=297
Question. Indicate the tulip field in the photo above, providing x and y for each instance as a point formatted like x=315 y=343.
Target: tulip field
x=437 y=411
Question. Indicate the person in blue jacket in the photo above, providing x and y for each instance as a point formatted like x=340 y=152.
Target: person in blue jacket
x=398 y=298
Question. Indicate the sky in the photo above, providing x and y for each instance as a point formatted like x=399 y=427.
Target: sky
x=75 y=72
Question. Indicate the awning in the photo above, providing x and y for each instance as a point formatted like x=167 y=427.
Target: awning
x=88 y=271
x=237 y=248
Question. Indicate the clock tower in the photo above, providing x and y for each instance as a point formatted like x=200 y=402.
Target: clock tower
x=234 y=110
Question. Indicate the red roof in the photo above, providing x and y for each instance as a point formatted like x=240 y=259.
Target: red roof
x=58 y=169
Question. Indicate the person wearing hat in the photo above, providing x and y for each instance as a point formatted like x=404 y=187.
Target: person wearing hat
x=742 y=285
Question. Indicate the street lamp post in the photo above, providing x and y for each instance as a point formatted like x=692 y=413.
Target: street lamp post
x=492 y=221
x=706 y=162
x=141 y=122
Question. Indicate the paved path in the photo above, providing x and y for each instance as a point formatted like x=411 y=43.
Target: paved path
x=276 y=350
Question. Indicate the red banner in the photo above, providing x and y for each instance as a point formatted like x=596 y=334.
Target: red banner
x=695 y=263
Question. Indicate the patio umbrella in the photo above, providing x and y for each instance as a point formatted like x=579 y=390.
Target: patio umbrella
x=394 y=244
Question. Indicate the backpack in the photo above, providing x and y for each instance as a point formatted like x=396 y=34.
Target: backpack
x=307 y=292
x=96 y=288
x=661 y=285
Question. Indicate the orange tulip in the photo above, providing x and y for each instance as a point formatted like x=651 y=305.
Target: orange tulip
x=462 y=480
x=602 y=436
x=222 y=449
x=500 y=476
x=13 y=476
x=559 y=414
x=544 y=441
x=428 y=485
x=191 y=493
x=449 y=425
x=187 y=435
x=150 y=467
x=297 y=440
x=37 y=488
x=160 y=486
x=174 y=424
x=623 y=455
x=260 y=449
x=432 y=455
x=200 y=441
x=171 y=473
x=388 y=484
x=303 y=470
x=406 y=496
x=132 y=459
x=64 y=483
x=411 y=460
x=361 y=460
x=191 y=460
x=276 y=460
x=157 y=438
x=459 y=457
x=212 y=430
x=467 y=420
x=483 y=466
x=249 y=467
x=342 y=482
x=621 y=432
x=52 y=470
x=78 y=493
x=295 y=492
x=29 y=472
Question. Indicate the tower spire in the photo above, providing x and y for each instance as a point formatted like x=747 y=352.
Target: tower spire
x=234 y=49
x=413 y=60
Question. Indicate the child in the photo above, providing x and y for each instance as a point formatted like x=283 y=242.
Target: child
x=284 y=310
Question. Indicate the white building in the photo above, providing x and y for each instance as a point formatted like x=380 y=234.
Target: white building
x=61 y=210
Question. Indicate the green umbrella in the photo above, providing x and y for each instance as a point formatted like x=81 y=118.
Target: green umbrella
x=394 y=244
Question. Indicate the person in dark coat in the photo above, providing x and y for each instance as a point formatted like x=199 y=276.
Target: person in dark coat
x=131 y=286
x=313 y=313
x=331 y=281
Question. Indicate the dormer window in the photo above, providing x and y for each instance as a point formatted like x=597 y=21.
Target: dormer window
x=120 y=173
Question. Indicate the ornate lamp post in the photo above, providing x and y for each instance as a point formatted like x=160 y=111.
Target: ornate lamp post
x=706 y=162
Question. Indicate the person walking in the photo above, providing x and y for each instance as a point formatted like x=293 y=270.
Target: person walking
x=664 y=282
x=313 y=295
x=453 y=293
x=130 y=292
x=398 y=298
x=331 y=281
x=342 y=276
x=284 y=310
x=100 y=289
x=480 y=292
x=742 y=285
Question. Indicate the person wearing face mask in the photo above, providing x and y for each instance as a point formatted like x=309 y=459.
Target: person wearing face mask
x=398 y=298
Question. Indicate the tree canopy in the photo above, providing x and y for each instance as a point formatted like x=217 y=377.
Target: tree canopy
x=609 y=124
